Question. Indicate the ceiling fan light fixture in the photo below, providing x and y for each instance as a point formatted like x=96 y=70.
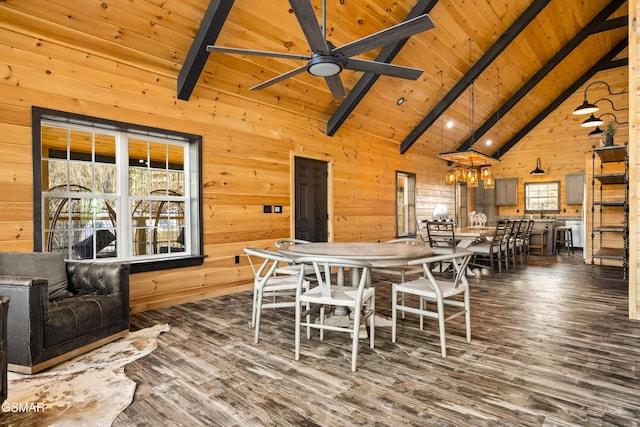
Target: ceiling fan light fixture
x=586 y=108
x=592 y=121
x=324 y=66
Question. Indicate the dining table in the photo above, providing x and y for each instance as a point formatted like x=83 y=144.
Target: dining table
x=378 y=255
x=466 y=236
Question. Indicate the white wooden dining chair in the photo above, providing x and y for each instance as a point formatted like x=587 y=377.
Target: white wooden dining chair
x=271 y=290
x=290 y=268
x=358 y=298
x=401 y=271
x=441 y=291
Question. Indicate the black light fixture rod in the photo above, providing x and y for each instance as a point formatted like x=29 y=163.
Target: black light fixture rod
x=608 y=88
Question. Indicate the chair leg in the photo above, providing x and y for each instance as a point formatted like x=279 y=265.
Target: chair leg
x=321 y=321
x=355 y=340
x=443 y=339
x=394 y=312
x=467 y=315
x=258 y=313
x=402 y=296
x=372 y=321
x=297 y=331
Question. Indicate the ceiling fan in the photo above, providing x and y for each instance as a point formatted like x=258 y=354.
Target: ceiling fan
x=328 y=61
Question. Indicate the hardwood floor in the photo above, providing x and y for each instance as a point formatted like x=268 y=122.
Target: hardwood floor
x=550 y=346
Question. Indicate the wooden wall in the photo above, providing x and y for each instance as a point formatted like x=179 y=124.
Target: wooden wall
x=634 y=161
x=247 y=159
x=248 y=152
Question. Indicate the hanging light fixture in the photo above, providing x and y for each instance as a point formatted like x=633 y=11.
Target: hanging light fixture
x=461 y=175
x=485 y=172
x=589 y=108
x=450 y=177
x=538 y=170
x=472 y=177
x=489 y=182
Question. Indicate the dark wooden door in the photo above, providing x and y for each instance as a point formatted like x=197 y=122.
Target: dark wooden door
x=311 y=200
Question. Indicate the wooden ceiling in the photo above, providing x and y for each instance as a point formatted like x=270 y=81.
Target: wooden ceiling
x=520 y=58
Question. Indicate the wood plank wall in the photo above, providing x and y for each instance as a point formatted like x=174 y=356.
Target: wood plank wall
x=634 y=161
x=248 y=150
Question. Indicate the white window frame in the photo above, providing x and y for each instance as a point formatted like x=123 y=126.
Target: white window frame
x=191 y=199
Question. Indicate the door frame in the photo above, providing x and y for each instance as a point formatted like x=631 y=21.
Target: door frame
x=292 y=191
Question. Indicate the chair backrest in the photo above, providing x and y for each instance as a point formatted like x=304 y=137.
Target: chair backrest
x=522 y=229
x=530 y=225
x=507 y=226
x=283 y=243
x=325 y=267
x=502 y=233
x=421 y=231
x=441 y=234
x=269 y=263
x=407 y=241
x=459 y=260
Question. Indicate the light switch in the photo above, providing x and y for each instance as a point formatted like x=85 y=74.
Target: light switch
x=277 y=209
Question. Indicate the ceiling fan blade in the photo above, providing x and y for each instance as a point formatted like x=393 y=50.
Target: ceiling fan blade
x=336 y=86
x=382 y=68
x=280 y=78
x=397 y=32
x=309 y=23
x=239 y=51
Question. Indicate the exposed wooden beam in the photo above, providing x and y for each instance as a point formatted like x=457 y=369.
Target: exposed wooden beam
x=594 y=26
x=360 y=89
x=603 y=64
x=212 y=22
x=509 y=35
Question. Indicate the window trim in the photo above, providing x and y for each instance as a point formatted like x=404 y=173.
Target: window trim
x=527 y=210
x=412 y=231
x=38 y=114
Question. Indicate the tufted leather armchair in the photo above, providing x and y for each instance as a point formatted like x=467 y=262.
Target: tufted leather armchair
x=60 y=309
x=4 y=306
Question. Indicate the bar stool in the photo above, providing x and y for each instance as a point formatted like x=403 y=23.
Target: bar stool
x=564 y=239
x=538 y=241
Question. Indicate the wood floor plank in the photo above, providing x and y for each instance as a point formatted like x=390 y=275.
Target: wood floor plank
x=550 y=346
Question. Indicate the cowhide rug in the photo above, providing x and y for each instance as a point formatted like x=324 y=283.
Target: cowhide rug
x=89 y=390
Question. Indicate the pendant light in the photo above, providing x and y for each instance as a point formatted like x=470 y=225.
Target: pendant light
x=489 y=182
x=485 y=172
x=450 y=177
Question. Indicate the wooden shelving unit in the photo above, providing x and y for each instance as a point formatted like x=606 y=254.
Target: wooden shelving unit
x=610 y=206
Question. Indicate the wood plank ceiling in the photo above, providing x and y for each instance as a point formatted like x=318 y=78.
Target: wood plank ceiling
x=516 y=75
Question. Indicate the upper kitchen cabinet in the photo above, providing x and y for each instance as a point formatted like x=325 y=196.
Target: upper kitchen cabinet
x=506 y=191
x=574 y=188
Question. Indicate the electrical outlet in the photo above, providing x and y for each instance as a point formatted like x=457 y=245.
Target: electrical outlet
x=266 y=209
x=237 y=259
x=277 y=209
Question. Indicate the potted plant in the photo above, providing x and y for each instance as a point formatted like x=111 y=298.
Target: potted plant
x=608 y=132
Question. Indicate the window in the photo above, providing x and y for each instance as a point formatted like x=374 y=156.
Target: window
x=541 y=197
x=405 y=204
x=116 y=191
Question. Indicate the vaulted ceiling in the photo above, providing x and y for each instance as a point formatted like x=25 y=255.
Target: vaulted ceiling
x=493 y=68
